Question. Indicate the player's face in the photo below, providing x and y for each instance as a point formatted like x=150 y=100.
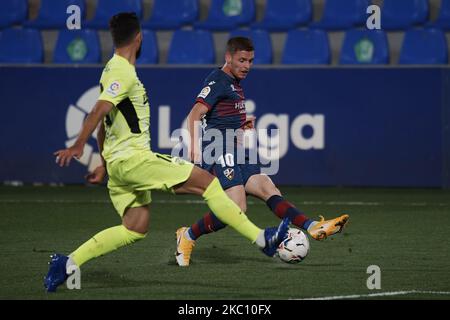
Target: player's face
x=241 y=62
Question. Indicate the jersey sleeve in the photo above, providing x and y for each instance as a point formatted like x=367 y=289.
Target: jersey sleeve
x=210 y=95
x=115 y=88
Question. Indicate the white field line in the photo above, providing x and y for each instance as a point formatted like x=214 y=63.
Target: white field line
x=251 y=202
x=379 y=294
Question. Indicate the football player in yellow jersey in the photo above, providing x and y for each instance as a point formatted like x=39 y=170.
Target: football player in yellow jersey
x=122 y=114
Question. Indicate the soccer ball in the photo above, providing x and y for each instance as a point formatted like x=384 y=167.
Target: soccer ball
x=294 y=248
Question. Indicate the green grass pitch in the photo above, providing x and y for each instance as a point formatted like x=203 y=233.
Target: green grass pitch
x=403 y=231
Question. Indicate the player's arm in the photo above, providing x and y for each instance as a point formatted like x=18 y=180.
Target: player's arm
x=101 y=109
x=196 y=114
x=98 y=175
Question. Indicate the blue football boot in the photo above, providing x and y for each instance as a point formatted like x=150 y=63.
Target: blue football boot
x=57 y=273
x=274 y=236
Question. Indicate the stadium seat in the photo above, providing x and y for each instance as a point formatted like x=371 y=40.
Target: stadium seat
x=306 y=47
x=424 y=46
x=149 y=54
x=53 y=14
x=262 y=43
x=77 y=46
x=228 y=14
x=403 y=14
x=290 y=15
x=21 y=46
x=343 y=14
x=13 y=12
x=443 y=20
x=365 y=47
x=107 y=8
x=191 y=47
x=172 y=14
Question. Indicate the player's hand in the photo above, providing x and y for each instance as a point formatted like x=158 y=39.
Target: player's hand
x=63 y=157
x=97 y=176
x=249 y=122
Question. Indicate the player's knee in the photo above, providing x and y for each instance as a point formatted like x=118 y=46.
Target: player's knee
x=135 y=234
x=137 y=219
x=208 y=178
x=138 y=228
x=203 y=181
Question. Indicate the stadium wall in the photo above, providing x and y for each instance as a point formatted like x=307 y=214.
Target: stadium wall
x=338 y=126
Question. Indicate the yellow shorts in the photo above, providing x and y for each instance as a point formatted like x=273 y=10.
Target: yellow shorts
x=131 y=180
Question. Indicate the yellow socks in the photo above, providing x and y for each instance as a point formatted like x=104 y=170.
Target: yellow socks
x=103 y=242
x=228 y=212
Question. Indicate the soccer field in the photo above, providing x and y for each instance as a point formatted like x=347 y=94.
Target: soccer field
x=403 y=231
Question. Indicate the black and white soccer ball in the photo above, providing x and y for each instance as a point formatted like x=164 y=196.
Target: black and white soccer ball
x=294 y=248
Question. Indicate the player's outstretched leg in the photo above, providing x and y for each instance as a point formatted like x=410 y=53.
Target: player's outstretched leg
x=319 y=230
x=134 y=228
x=261 y=186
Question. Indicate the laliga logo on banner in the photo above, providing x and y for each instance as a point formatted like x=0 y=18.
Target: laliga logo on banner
x=74 y=121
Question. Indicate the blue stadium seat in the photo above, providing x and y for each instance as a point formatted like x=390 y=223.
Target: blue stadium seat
x=403 y=14
x=365 y=47
x=424 y=46
x=53 y=14
x=443 y=20
x=228 y=15
x=306 y=47
x=77 y=46
x=191 y=47
x=343 y=14
x=172 y=14
x=261 y=41
x=108 y=8
x=21 y=46
x=149 y=54
x=13 y=12
x=290 y=15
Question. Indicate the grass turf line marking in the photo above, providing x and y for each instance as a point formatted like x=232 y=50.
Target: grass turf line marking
x=380 y=294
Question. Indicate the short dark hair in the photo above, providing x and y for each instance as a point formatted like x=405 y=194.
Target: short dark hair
x=124 y=27
x=239 y=44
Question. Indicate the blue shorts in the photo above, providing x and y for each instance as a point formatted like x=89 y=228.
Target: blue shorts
x=230 y=173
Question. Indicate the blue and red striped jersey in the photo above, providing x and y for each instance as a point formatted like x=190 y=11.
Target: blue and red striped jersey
x=224 y=97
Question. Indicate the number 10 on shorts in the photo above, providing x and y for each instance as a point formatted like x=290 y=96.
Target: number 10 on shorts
x=227 y=160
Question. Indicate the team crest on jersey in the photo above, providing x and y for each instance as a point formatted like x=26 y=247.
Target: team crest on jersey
x=229 y=173
x=113 y=89
x=204 y=93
